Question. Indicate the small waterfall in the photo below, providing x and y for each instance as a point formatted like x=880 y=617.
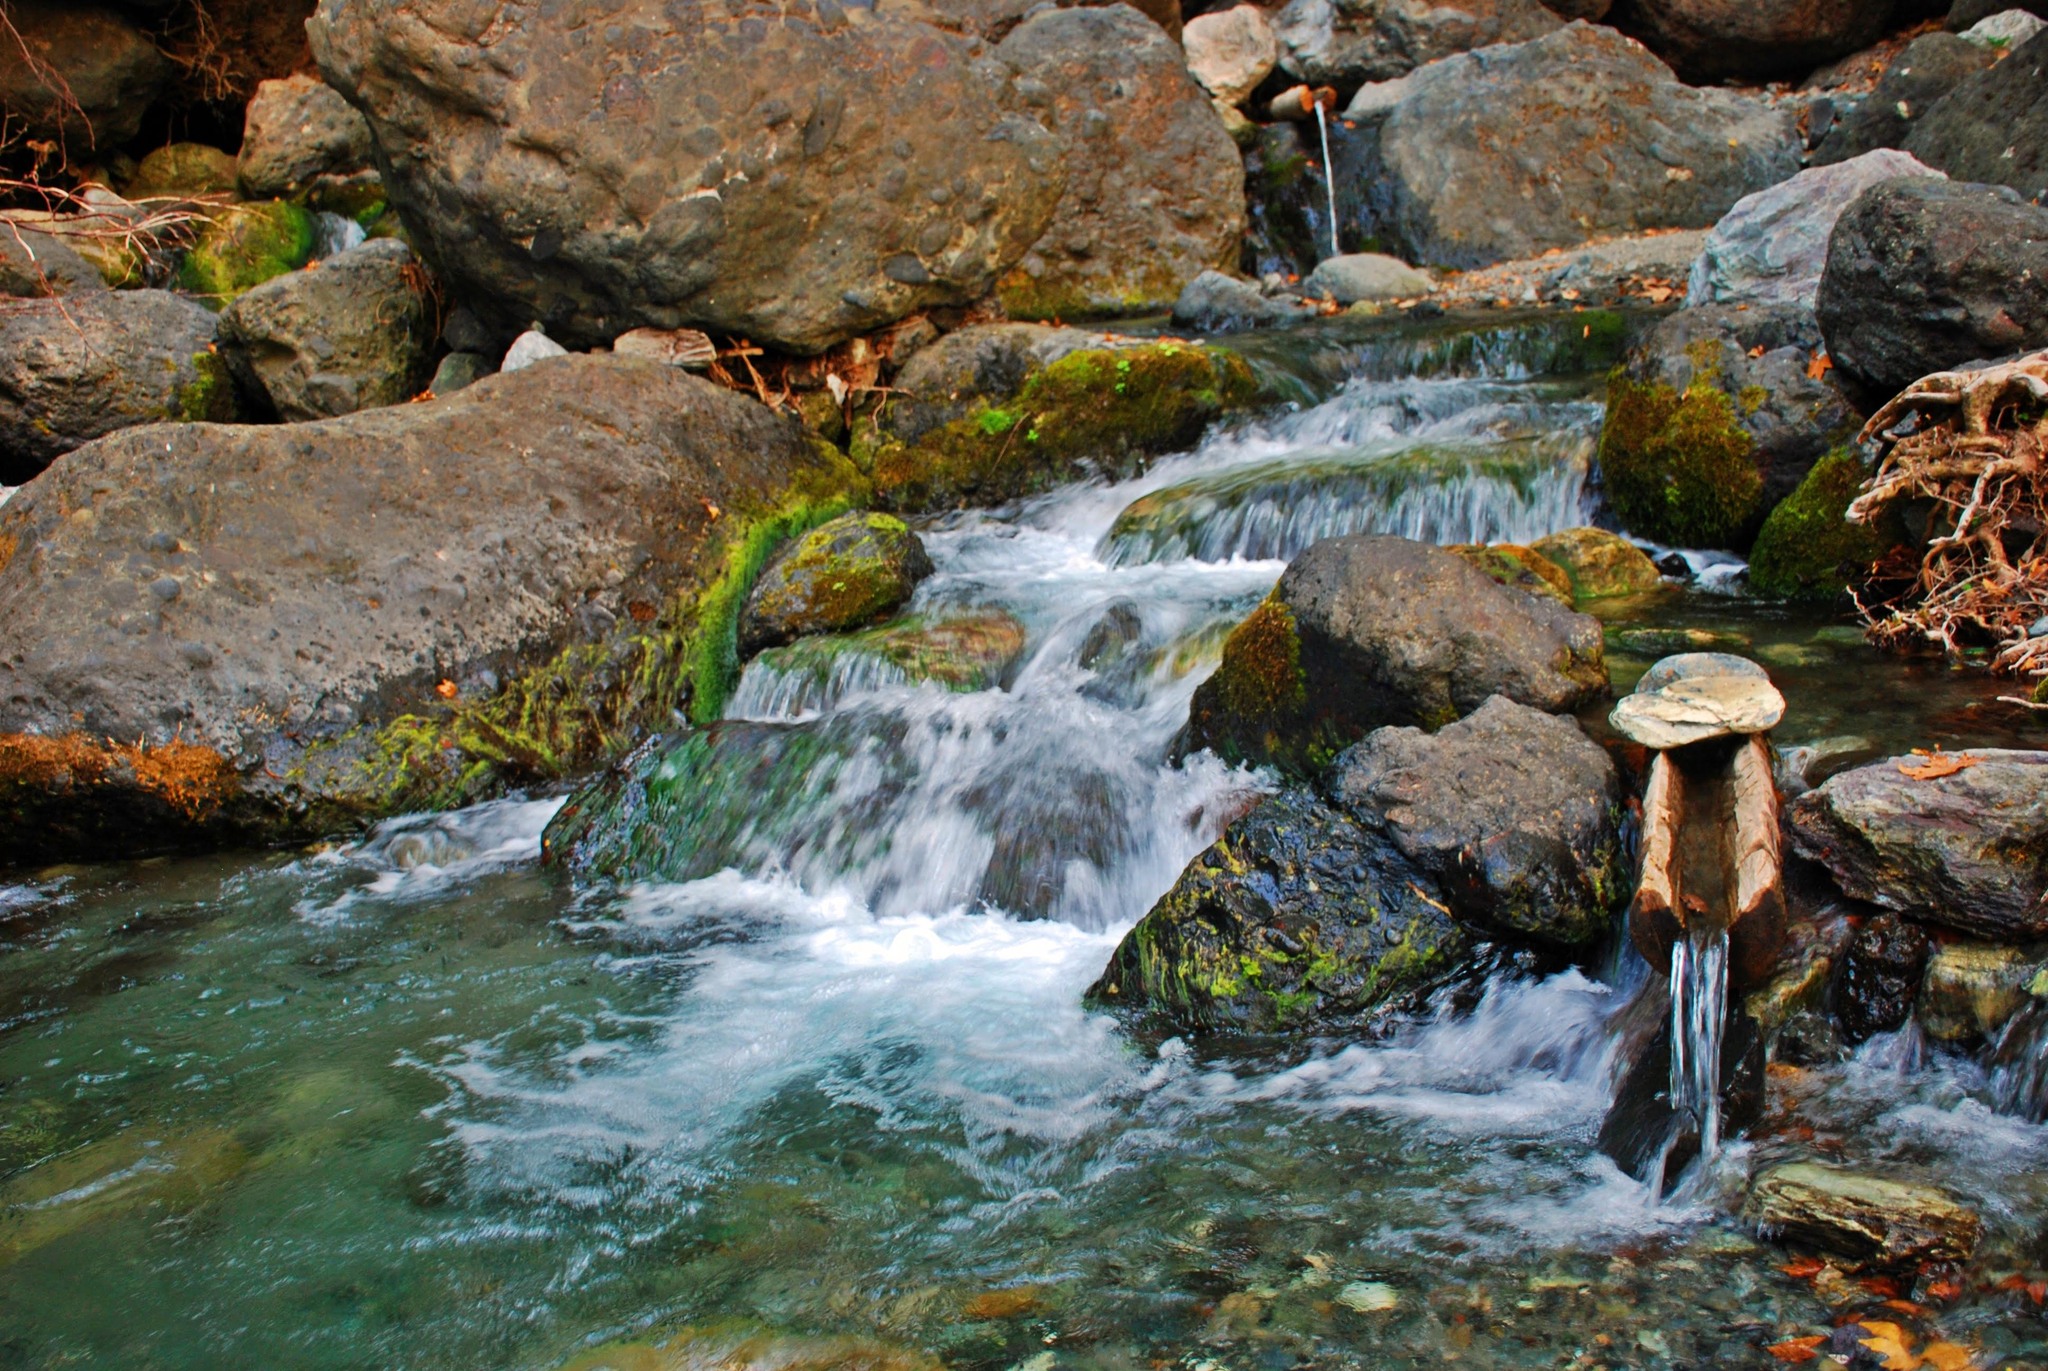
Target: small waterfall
x=1699 y=1012
x=1329 y=175
x=787 y=691
x=334 y=234
x=2019 y=1063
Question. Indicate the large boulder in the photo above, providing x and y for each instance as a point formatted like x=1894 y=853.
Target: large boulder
x=1717 y=416
x=1994 y=126
x=1367 y=630
x=251 y=632
x=356 y=333
x=1771 y=248
x=1925 y=275
x=846 y=574
x=1931 y=66
x=83 y=366
x=299 y=128
x=1511 y=812
x=1346 y=42
x=1297 y=916
x=1710 y=40
x=545 y=182
x=1154 y=184
x=1966 y=851
x=1508 y=151
x=77 y=74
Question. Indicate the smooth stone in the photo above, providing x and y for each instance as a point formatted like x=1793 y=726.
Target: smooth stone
x=2007 y=30
x=458 y=370
x=1230 y=52
x=1360 y=276
x=530 y=347
x=1693 y=709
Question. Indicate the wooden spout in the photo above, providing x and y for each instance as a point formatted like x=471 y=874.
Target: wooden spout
x=1757 y=934
x=1655 y=918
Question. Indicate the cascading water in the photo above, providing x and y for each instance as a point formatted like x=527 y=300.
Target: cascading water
x=1699 y=1012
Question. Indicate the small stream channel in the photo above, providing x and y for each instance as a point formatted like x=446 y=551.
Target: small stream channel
x=417 y=1101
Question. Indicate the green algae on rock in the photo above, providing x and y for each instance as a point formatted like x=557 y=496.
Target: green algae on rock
x=1600 y=564
x=1808 y=550
x=845 y=574
x=1294 y=917
x=1678 y=466
x=1521 y=568
x=244 y=246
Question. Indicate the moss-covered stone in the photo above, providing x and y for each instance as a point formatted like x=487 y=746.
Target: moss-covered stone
x=1678 y=467
x=1097 y=410
x=210 y=397
x=244 y=246
x=1295 y=917
x=960 y=652
x=1524 y=568
x=1600 y=564
x=1807 y=549
x=183 y=170
x=849 y=573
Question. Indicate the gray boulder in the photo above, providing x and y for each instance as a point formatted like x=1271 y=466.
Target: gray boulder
x=1770 y=249
x=1365 y=631
x=1931 y=66
x=1508 y=151
x=1215 y=303
x=1967 y=851
x=1994 y=126
x=1154 y=190
x=1360 y=276
x=694 y=195
x=1298 y=917
x=1714 y=418
x=1712 y=40
x=297 y=129
x=75 y=369
x=1925 y=275
x=271 y=660
x=107 y=74
x=1346 y=42
x=35 y=265
x=845 y=574
x=355 y=333
x=1510 y=811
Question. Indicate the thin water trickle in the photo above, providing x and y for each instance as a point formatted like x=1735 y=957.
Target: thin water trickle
x=1699 y=1013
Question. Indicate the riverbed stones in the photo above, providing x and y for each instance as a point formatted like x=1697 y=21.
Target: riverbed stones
x=1966 y=851
x=183 y=171
x=1868 y=1219
x=1154 y=192
x=271 y=661
x=1230 y=51
x=1523 y=568
x=1696 y=697
x=299 y=128
x=1881 y=974
x=89 y=364
x=1925 y=275
x=1600 y=564
x=1712 y=40
x=1508 y=151
x=356 y=333
x=79 y=76
x=1771 y=248
x=1510 y=811
x=1347 y=42
x=848 y=573
x=936 y=171
x=1295 y=917
x=242 y=246
x=1368 y=630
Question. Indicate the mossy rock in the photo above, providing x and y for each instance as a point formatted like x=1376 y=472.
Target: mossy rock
x=1297 y=917
x=1099 y=410
x=1808 y=550
x=849 y=573
x=1678 y=467
x=244 y=246
x=964 y=652
x=211 y=397
x=1600 y=564
x=183 y=171
x=1525 y=569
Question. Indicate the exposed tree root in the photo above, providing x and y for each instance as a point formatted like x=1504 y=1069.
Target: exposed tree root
x=1966 y=447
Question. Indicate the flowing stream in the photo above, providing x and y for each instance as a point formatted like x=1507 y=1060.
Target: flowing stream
x=821 y=1066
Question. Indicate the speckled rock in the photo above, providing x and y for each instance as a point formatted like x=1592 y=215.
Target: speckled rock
x=1870 y=1220
x=1599 y=563
x=36 y=265
x=1991 y=127
x=1931 y=66
x=1231 y=51
x=849 y=573
x=299 y=128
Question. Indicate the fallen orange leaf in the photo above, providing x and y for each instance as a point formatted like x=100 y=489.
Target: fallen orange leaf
x=1947 y=1356
x=1820 y=366
x=1907 y=1307
x=1883 y=1286
x=1804 y=1268
x=1890 y=1344
x=1944 y=1290
x=1937 y=765
x=1796 y=1350
x=447 y=690
x=1757 y=351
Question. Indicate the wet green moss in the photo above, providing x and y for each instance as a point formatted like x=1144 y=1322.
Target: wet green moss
x=1261 y=681
x=1808 y=550
x=210 y=398
x=1679 y=467
x=1099 y=409
x=244 y=246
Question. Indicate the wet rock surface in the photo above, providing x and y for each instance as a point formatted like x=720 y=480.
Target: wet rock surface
x=1967 y=851
x=1365 y=631
x=218 y=590
x=86 y=365
x=845 y=574
x=1869 y=1219
x=355 y=333
x=1881 y=974
x=1600 y=564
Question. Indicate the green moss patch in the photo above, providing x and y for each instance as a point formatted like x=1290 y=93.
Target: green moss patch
x=244 y=246
x=1808 y=550
x=210 y=398
x=1679 y=467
